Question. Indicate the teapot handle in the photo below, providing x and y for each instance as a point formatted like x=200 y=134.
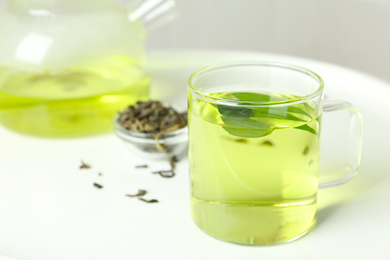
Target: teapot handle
x=151 y=13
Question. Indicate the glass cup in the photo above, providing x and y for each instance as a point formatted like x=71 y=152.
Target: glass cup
x=254 y=150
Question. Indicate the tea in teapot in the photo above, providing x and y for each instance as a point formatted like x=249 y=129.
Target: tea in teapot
x=67 y=66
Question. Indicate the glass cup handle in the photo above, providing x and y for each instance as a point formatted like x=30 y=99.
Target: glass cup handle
x=354 y=143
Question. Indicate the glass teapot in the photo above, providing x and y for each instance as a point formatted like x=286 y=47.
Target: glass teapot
x=67 y=66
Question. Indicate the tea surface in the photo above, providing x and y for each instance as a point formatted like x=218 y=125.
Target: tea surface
x=77 y=101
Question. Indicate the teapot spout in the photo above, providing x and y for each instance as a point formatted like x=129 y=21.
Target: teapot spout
x=151 y=13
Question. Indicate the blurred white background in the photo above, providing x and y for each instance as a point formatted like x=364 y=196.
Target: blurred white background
x=350 y=33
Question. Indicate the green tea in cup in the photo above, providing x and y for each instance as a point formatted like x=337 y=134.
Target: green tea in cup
x=254 y=150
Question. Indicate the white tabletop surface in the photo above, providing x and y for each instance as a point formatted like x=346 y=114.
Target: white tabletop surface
x=49 y=208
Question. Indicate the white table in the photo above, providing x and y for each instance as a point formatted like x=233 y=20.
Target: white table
x=49 y=208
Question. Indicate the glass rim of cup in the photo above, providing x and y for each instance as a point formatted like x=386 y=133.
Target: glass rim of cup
x=301 y=99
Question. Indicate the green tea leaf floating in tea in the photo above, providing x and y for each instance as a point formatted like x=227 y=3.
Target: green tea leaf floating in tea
x=240 y=112
x=248 y=133
x=140 y=193
x=238 y=118
x=245 y=127
x=299 y=109
x=254 y=115
x=84 y=165
x=276 y=113
x=148 y=201
x=307 y=128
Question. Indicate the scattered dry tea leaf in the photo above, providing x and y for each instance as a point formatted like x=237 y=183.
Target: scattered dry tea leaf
x=165 y=173
x=97 y=185
x=140 y=193
x=84 y=165
x=148 y=201
x=100 y=174
x=141 y=166
x=172 y=161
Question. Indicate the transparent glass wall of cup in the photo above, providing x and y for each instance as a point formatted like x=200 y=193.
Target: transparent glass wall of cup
x=254 y=150
x=67 y=66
